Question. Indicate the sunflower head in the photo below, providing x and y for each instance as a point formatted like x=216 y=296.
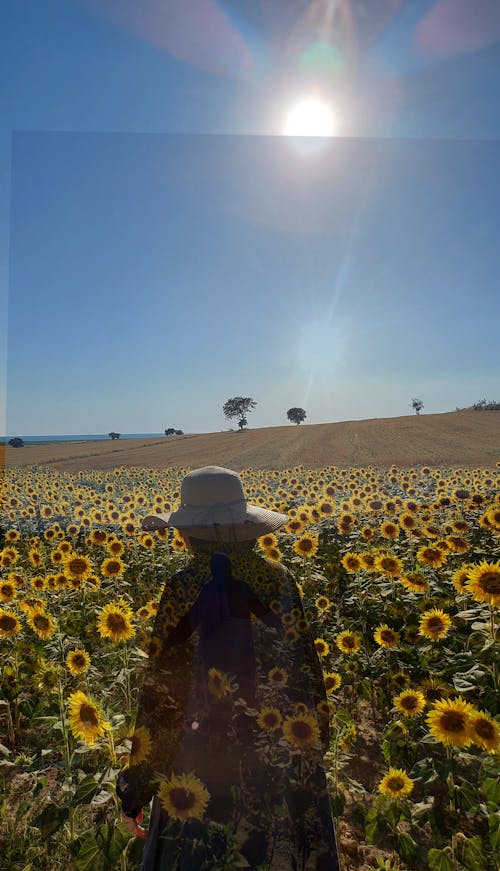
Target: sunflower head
x=85 y=719
x=484 y=582
x=449 y=722
x=410 y=702
x=396 y=783
x=301 y=730
x=348 y=642
x=434 y=624
x=184 y=797
x=269 y=719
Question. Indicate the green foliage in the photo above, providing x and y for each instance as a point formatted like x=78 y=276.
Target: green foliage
x=238 y=407
x=296 y=415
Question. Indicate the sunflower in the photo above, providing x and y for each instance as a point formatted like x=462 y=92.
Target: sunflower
x=431 y=556
x=493 y=515
x=178 y=542
x=9 y=624
x=434 y=624
x=389 y=565
x=78 y=661
x=352 y=563
x=41 y=623
x=449 y=722
x=38 y=583
x=415 y=582
x=396 y=783
x=332 y=681
x=407 y=521
x=306 y=545
x=294 y=526
x=485 y=731
x=269 y=719
x=35 y=558
x=85 y=719
x=348 y=642
x=184 y=797
x=368 y=561
x=460 y=578
x=115 y=547
x=9 y=556
x=140 y=745
x=267 y=541
x=457 y=544
x=386 y=637
x=115 y=622
x=218 y=684
x=273 y=554
x=98 y=536
x=401 y=679
x=322 y=646
x=409 y=702
x=112 y=567
x=8 y=591
x=278 y=677
x=301 y=730
x=434 y=691
x=389 y=530
x=484 y=582
x=323 y=604
x=77 y=566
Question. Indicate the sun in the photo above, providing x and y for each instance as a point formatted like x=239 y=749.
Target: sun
x=310 y=117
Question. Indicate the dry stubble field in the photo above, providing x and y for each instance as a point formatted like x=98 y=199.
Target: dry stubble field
x=466 y=439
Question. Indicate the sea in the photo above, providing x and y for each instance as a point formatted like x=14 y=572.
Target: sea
x=87 y=437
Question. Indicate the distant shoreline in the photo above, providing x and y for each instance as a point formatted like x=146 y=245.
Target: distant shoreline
x=78 y=439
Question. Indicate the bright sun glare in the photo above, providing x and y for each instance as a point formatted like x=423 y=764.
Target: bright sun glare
x=310 y=117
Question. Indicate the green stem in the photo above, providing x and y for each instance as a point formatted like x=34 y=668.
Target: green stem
x=67 y=757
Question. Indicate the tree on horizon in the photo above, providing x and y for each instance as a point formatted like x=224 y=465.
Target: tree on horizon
x=296 y=415
x=238 y=407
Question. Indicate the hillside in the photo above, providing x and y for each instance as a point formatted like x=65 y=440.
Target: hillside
x=464 y=438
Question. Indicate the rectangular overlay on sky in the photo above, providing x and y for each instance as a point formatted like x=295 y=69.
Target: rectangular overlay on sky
x=152 y=277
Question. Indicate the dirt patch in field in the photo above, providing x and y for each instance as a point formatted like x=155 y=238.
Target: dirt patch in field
x=466 y=439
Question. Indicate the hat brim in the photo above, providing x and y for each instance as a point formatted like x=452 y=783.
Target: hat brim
x=257 y=521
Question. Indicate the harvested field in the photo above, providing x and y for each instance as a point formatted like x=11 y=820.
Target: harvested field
x=466 y=439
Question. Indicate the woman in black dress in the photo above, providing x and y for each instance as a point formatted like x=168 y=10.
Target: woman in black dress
x=233 y=718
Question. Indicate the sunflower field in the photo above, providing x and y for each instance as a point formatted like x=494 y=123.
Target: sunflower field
x=399 y=575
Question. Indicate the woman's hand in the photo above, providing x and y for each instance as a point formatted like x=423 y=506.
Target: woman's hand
x=133 y=827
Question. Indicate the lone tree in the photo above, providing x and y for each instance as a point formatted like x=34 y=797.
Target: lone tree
x=238 y=407
x=296 y=415
x=418 y=405
x=16 y=442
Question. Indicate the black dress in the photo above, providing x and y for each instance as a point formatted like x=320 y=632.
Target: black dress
x=232 y=725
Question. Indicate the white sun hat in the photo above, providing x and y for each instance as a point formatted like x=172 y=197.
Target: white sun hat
x=214 y=508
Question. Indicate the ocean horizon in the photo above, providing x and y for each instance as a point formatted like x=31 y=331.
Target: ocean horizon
x=86 y=437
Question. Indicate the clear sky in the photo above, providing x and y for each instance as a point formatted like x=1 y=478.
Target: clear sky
x=164 y=247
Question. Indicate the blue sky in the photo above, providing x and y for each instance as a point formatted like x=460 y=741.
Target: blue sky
x=163 y=247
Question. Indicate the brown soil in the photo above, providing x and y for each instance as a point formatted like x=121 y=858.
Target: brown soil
x=466 y=439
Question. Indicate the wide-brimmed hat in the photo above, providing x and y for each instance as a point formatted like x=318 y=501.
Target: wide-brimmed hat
x=214 y=508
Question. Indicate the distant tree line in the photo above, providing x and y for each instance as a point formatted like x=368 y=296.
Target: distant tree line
x=238 y=407
x=482 y=405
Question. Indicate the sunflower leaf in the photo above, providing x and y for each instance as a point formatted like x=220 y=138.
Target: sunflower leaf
x=50 y=819
x=86 y=790
x=439 y=860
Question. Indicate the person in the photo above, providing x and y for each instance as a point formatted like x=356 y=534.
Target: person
x=232 y=720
